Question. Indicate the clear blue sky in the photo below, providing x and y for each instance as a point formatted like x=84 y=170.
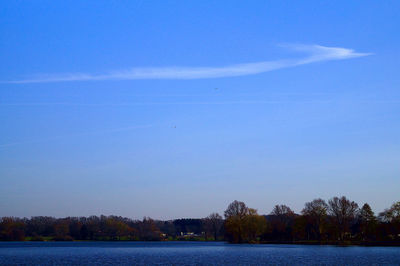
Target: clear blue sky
x=162 y=109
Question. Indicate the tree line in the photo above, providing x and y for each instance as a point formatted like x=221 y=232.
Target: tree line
x=339 y=220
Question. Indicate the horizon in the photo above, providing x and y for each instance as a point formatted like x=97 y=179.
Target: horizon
x=169 y=109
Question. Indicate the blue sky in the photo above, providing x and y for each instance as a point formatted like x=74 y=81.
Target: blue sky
x=174 y=109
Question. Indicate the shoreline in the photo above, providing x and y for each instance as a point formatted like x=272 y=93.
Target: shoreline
x=311 y=243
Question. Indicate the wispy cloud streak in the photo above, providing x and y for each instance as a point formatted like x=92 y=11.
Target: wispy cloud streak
x=316 y=53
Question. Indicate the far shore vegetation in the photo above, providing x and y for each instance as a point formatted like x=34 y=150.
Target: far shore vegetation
x=339 y=221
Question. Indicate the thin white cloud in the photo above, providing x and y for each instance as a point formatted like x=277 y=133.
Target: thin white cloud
x=316 y=53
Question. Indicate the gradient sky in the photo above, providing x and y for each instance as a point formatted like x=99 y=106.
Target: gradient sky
x=120 y=108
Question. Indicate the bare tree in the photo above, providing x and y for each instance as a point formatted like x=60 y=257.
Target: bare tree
x=282 y=210
x=391 y=217
x=236 y=209
x=281 y=222
x=391 y=214
x=235 y=216
x=367 y=222
x=213 y=224
x=315 y=211
x=343 y=212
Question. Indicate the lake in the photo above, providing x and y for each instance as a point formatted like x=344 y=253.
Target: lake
x=190 y=253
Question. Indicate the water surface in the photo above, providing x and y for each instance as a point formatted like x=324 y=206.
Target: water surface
x=190 y=253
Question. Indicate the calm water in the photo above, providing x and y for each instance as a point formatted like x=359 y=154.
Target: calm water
x=190 y=253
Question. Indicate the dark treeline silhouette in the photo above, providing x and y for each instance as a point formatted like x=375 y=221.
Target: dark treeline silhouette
x=338 y=221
